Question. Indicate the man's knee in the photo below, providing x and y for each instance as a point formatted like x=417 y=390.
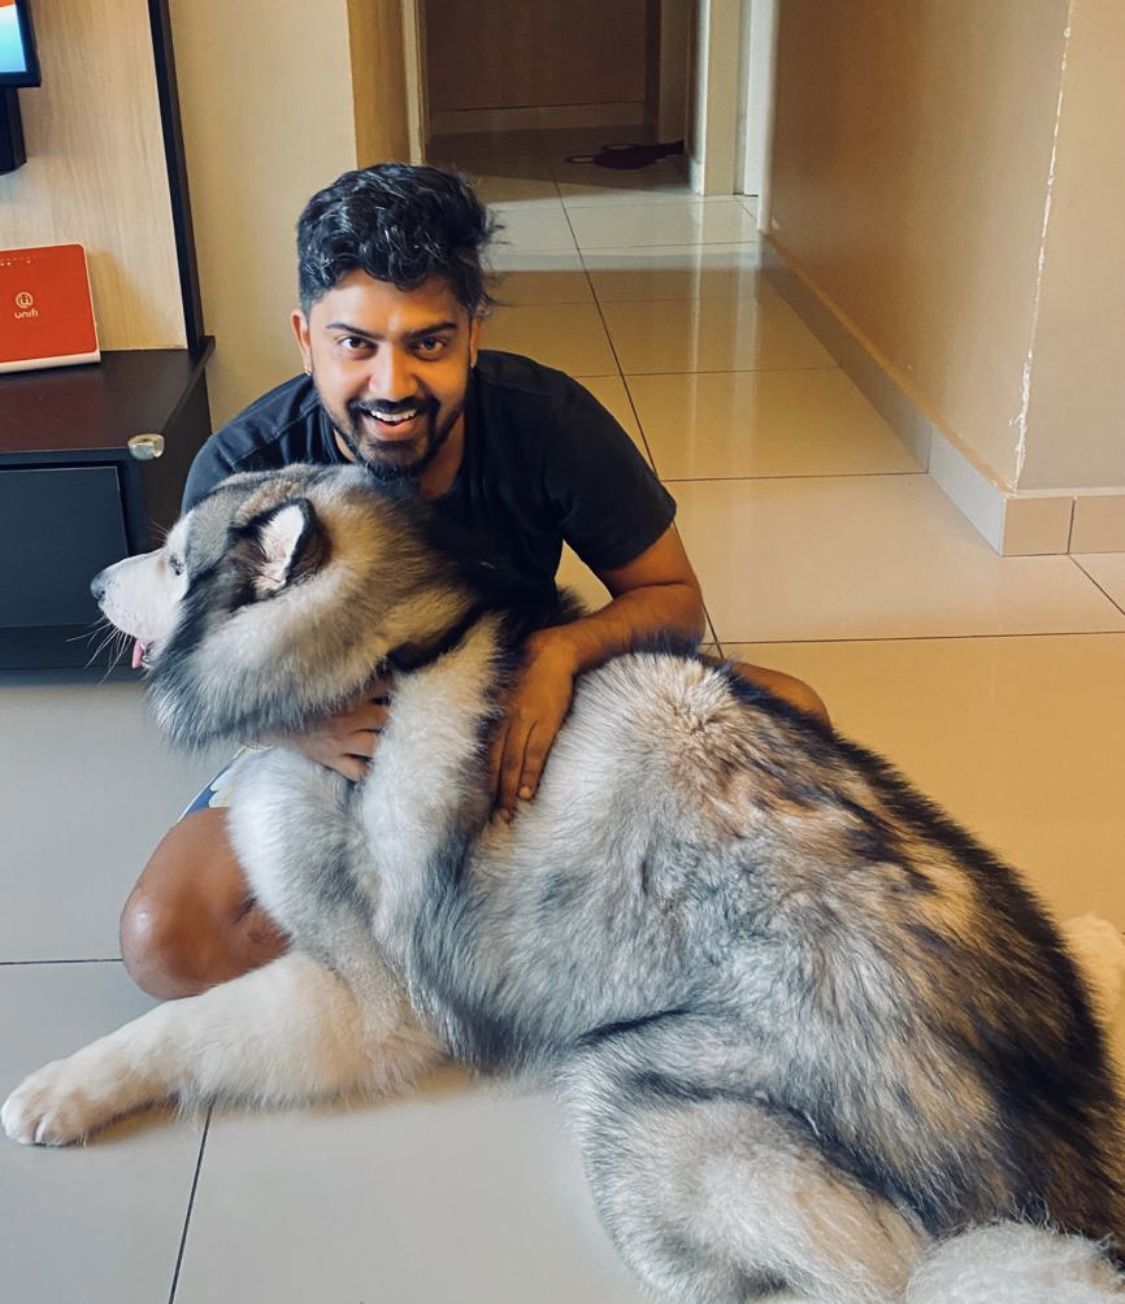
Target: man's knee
x=788 y=687
x=160 y=949
x=806 y=697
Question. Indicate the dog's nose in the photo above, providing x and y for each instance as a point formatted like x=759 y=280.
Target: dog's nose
x=97 y=588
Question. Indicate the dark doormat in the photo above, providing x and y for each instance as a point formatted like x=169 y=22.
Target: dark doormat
x=628 y=158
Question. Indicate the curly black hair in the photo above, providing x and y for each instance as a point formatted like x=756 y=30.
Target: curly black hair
x=398 y=223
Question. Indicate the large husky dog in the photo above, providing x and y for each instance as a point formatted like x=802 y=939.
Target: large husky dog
x=813 y=1036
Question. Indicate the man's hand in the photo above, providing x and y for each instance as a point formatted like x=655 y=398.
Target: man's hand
x=346 y=742
x=533 y=715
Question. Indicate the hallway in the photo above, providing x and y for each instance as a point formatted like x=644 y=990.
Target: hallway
x=823 y=550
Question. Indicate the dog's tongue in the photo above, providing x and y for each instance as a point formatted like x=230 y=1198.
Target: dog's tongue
x=138 y=652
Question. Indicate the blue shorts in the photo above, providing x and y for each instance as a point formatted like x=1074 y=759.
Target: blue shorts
x=218 y=793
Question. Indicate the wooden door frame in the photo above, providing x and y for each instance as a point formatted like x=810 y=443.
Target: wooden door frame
x=713 y=137
x=414 y=62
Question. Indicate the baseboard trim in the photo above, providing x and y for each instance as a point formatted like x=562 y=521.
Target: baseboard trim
x=1017 y=523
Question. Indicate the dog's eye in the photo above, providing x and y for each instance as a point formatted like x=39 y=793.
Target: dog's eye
x=176 y=565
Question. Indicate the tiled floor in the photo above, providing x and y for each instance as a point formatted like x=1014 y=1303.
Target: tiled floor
x=823 y=550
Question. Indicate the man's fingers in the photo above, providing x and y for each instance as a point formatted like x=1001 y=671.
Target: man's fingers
x=352 y=767
x=362 y=743
x=379 y=687
x=512 y=767
x=369 y=715
x=533 y=758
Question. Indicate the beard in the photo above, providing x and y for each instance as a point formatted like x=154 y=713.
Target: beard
x=386 y=459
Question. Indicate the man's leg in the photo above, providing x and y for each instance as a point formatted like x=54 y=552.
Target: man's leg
x=191 y=922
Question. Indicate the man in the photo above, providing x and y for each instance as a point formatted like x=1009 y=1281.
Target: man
x=512 y=456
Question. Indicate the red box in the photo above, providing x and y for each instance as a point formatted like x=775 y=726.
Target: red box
x=46 y=314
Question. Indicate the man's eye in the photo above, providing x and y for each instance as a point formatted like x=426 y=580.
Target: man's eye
x=354 y=343
x=175 y=565
x=431 y=345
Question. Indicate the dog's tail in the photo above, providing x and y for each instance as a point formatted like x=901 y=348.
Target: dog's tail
x=1013 y=1263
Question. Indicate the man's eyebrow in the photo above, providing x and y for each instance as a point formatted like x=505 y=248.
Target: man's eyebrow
x=421 y=333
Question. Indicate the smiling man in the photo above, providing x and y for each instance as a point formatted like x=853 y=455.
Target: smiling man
x=514 y=458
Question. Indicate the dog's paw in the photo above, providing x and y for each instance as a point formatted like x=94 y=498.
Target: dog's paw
x=52 y=1108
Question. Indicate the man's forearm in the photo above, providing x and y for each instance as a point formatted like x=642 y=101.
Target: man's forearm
x=628 y=619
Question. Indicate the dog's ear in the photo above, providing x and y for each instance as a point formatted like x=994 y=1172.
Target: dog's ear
x=284 y=544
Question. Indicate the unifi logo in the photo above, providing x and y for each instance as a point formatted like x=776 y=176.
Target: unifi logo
x=25 y=305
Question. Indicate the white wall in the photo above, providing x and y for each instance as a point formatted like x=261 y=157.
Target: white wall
x=1074 y=432
x=266 y=99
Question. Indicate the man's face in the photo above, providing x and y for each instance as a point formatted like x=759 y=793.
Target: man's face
x=391 y=368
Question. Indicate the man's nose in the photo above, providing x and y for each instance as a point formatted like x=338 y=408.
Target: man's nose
x=391 y=377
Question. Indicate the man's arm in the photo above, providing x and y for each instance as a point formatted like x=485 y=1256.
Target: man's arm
x=655 y=592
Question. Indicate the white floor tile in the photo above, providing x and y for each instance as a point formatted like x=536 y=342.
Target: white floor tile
x=1107 y=570
x=522 y=180
x=756 y=333
x=541 y=276
x=102 y=1223
x=716 y=271
x=87 y=789
x=528 y=228
x=568 y=336
x=764 y=423
x=689 y=221
x=867 y=557
x=453 y=1194
x=1021 y=739
x=582 y=185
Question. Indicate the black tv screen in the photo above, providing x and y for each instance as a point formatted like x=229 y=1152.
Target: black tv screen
x=18 y=63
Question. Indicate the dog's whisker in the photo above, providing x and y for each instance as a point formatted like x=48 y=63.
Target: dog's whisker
x=91 y=632
x=106 y=640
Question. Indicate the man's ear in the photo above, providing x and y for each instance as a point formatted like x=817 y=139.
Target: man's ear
x=300 y=324
x=286 y=543
x=475 y=323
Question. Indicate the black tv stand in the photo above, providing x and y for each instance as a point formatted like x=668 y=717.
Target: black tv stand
x=92 y=465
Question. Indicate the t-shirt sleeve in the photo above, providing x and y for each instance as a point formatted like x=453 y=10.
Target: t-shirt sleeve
x=212 y=464
x=610 y=505
x=274 y=430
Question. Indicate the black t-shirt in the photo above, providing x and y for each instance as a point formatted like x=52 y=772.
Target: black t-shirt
x=544 y=463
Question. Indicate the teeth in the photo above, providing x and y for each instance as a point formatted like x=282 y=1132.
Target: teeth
x=396 y=420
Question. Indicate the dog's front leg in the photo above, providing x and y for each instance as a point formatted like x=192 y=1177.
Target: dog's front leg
x=287 y=1033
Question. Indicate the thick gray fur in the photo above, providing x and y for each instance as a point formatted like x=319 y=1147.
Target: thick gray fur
x=807 y=1026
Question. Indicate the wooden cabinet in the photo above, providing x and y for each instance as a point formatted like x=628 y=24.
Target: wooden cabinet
x=92 y=466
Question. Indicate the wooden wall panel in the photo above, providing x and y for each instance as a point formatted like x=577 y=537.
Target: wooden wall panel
x=505 y=54
x=96 y=172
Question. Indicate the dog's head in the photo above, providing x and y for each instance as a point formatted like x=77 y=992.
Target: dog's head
x=273 y=601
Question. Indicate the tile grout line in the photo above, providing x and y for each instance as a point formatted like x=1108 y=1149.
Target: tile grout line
x=629 y=398
x=793 y=475
x=728 y=371
x=1105 y=592
x=96 y=959
x=190 y=1206
x=926 y=638
x=612 y=349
